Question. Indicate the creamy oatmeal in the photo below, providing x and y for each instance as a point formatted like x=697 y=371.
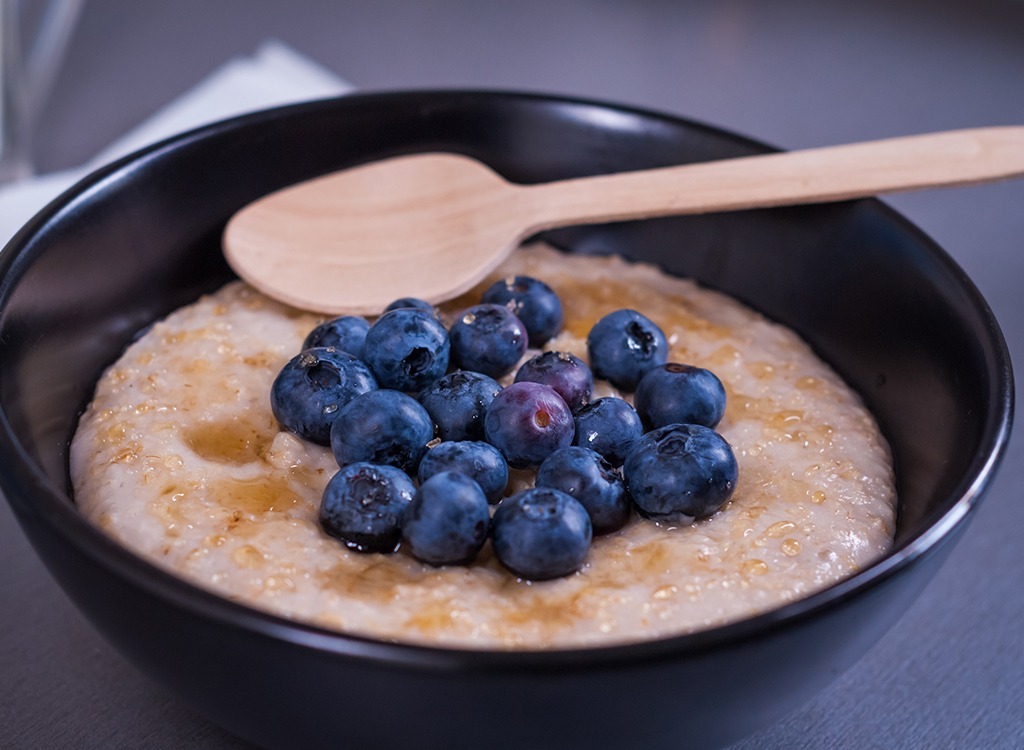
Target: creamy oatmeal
x=179 y=458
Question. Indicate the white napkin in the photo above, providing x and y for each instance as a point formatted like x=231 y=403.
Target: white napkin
x=273 y=75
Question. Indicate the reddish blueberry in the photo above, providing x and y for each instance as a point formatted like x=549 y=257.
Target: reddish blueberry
x=566 y=373
x=527 y=422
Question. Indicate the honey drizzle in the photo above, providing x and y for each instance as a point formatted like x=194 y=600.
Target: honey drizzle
x=234 y=441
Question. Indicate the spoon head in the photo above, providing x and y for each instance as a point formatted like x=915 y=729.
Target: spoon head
x=428 y=226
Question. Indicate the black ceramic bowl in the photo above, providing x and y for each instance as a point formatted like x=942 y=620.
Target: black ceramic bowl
x=877 y=299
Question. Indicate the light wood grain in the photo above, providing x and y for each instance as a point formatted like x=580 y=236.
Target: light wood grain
x=433 y=225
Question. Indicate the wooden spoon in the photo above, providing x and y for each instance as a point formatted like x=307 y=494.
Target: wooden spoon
x=433 y=225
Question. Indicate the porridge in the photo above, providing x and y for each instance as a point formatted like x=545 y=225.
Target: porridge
x=180 y=458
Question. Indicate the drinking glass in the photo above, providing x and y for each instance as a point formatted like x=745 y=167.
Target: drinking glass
x=27 y=70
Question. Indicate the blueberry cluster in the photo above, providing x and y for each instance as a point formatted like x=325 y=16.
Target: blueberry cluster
x=425 y=435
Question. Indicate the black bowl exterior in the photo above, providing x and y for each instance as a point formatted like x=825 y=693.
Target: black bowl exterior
x=282 y=686
x=877 y=299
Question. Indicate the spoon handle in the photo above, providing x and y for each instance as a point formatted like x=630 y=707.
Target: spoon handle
x=833 y=173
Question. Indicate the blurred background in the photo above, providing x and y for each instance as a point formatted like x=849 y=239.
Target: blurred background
x=772 y=70
x=793 y=73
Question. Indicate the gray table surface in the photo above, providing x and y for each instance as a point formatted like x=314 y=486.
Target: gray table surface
x=796 y=73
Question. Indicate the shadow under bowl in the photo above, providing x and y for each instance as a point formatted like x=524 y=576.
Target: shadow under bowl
x=885 y=306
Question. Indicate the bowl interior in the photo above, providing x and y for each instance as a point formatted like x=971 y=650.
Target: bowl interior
x=876 y=298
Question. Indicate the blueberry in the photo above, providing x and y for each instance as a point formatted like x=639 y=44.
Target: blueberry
x=680 y=472
x=363 y=505
x=533 y=302
x=608 y=426
x=488 y=339
x=481 y=462
x=413 y=302
x=407 y=349
x=541 y=533
x=679 y=394
x=566 y=373
x=527 y=422
x=447 y=521
x=313 y=386
x=623 y=346
x=382 y=427
x=457 y=403
x=346 y=333
x=586 y=476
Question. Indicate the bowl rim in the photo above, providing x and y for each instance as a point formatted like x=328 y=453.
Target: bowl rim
x=20 y=477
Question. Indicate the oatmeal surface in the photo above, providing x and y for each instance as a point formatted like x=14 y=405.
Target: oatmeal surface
x=179 y=458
